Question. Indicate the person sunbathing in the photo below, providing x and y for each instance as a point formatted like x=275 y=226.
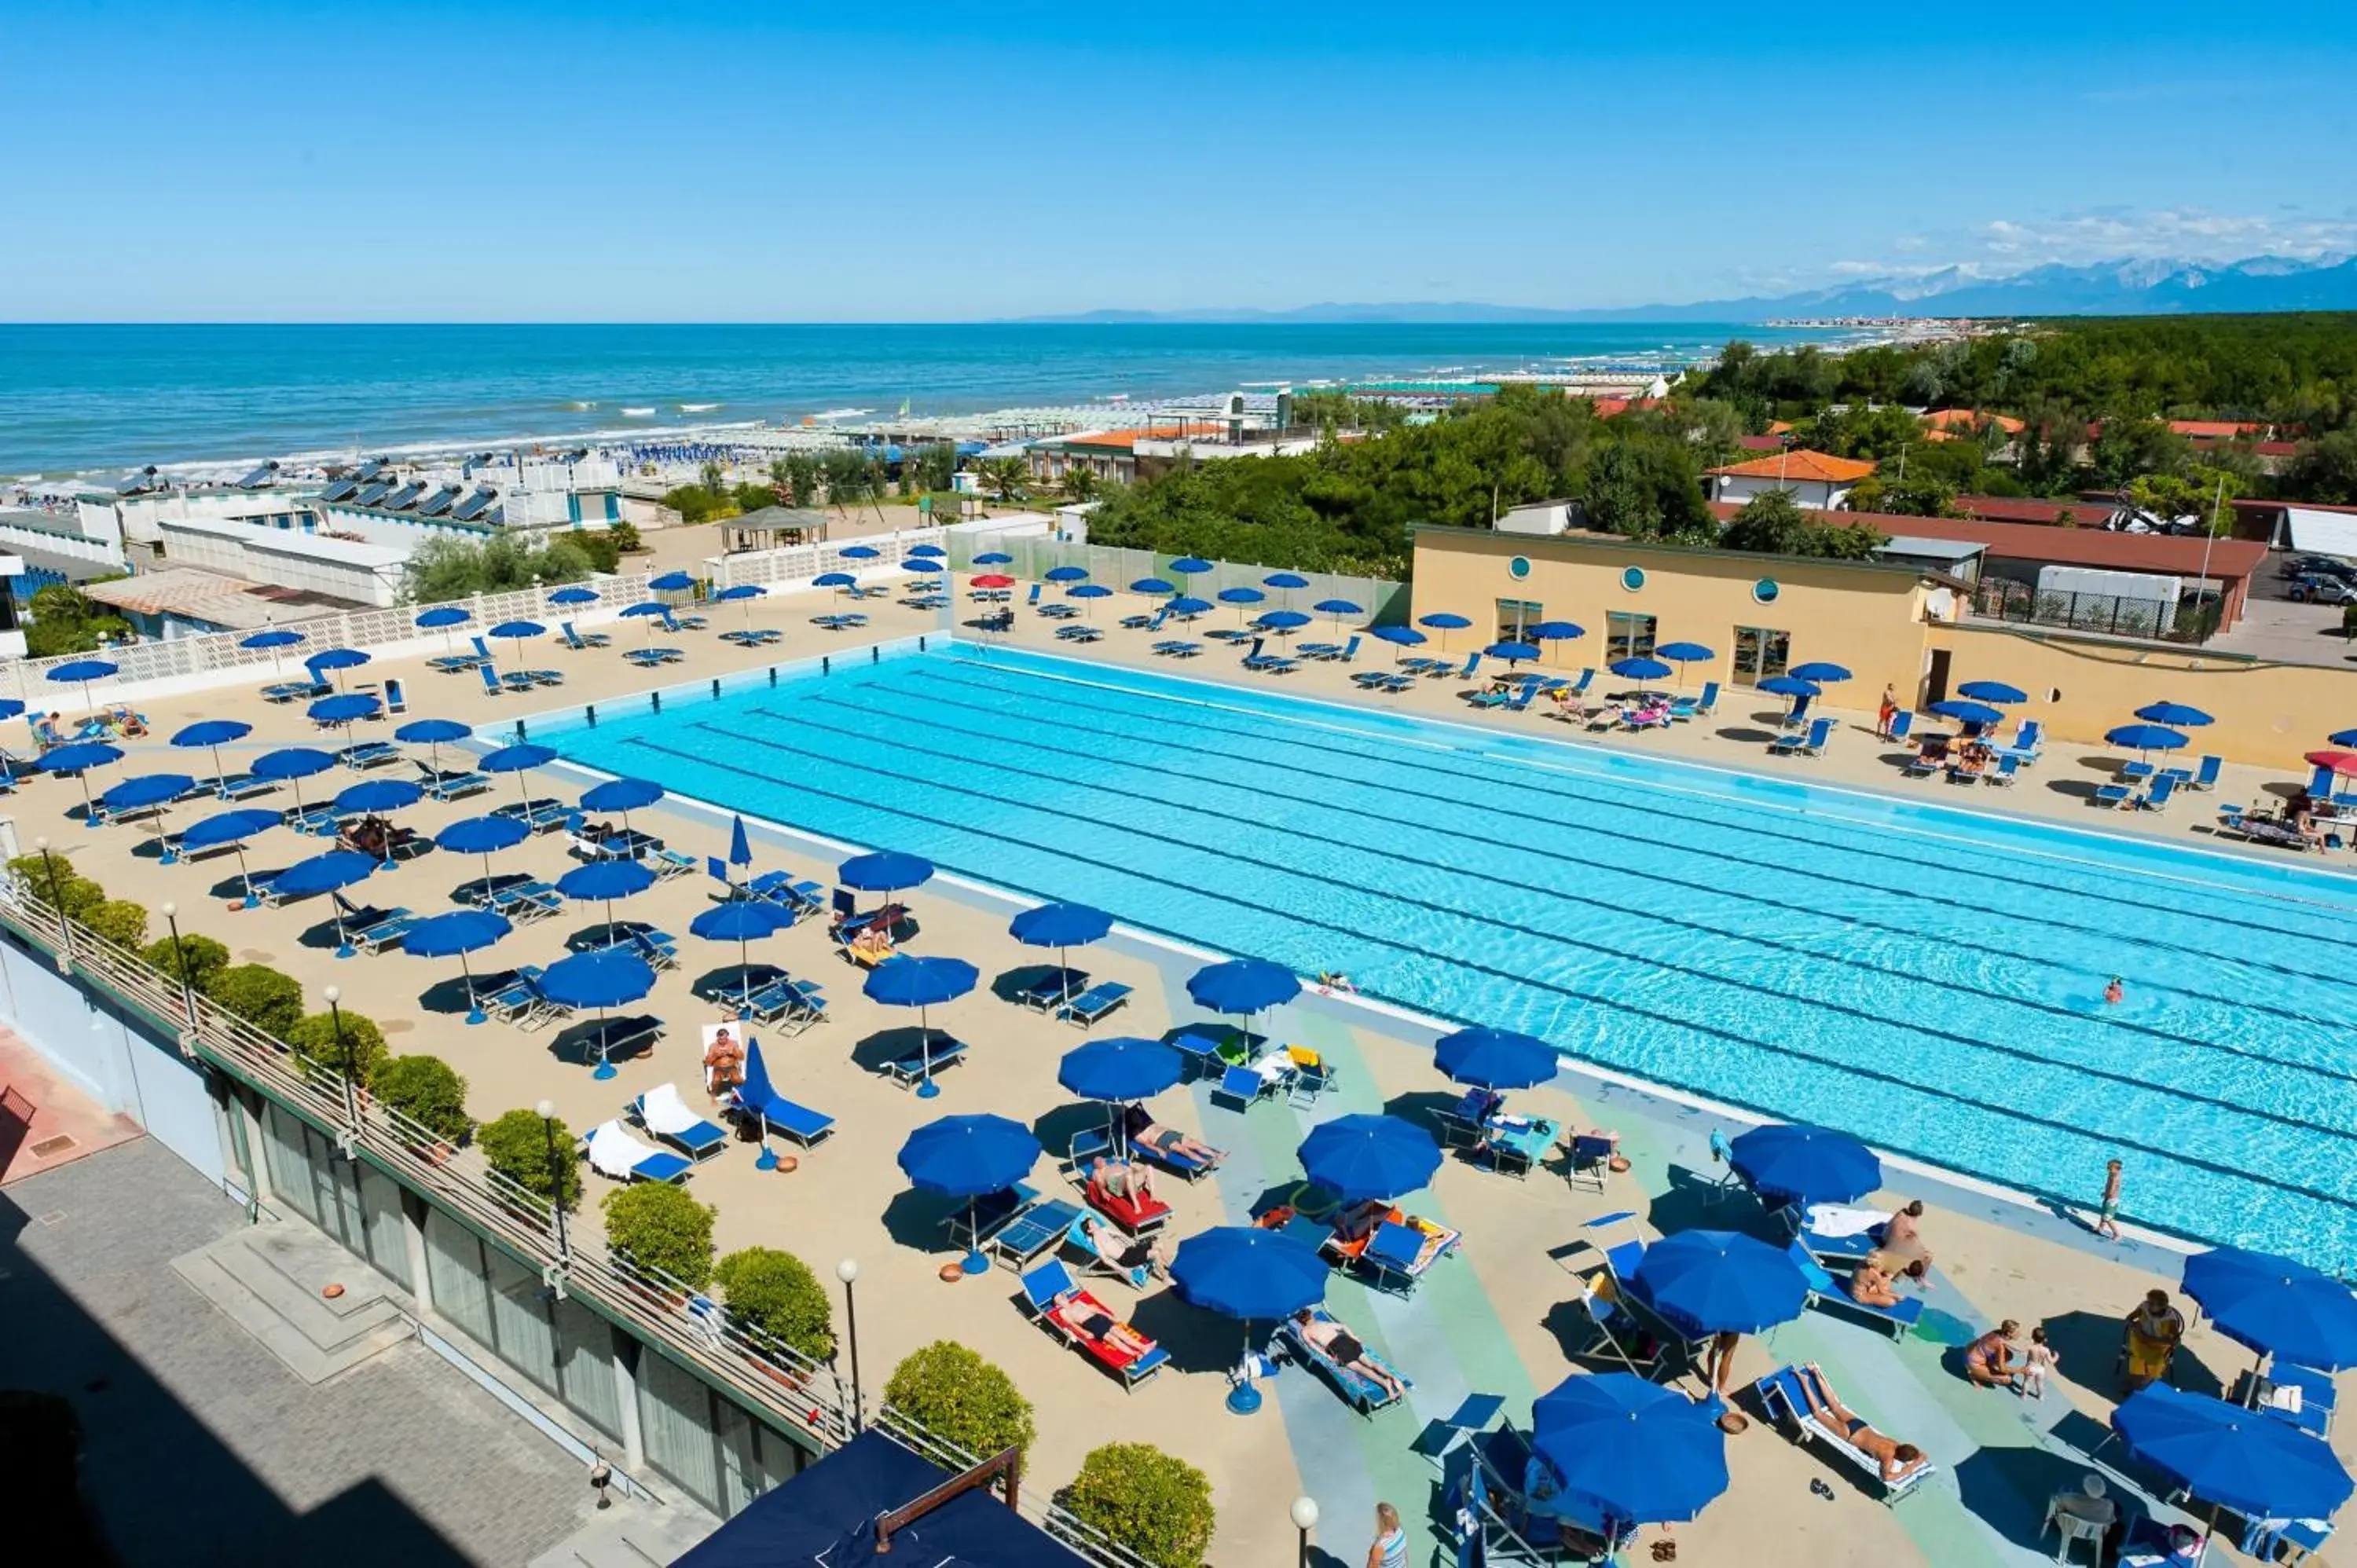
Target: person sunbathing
x=871 y=947
x=1894 y=1459
x=1345 y=1350
x=1123 y=1178
x=1145 y=1132
x=1089 y=1319
x=1123 y=1253
x=1871 y=1286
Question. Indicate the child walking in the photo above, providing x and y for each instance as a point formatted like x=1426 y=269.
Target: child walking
x=2107 y=1218
x=2037 y=1361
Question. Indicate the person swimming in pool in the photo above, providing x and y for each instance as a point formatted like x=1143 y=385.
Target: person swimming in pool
x=2114 y=992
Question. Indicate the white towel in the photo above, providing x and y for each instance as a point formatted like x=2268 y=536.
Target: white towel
x=1834 y=1219
x=664 y=1112
x=614 y=1152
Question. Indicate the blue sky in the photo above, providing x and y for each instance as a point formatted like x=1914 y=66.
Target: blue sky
x=502 y=160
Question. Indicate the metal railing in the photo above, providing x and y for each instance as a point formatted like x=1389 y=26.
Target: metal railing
x=1034 y=1503
x=790 y=1388
x=2110 y=615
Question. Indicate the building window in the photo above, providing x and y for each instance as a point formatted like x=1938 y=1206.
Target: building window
x=1760 y=652
x=1765 y=590
x=1633 y=578
x=1519 y=567
x=1627 y=635
x=1514 y=615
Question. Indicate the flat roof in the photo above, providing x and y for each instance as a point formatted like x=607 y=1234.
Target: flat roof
x=230 y=602
x=1933 y=549
x=2048 y=544
x=291 y=542
x=1528 y=543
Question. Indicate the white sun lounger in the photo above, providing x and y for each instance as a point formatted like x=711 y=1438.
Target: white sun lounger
x=614 y=1152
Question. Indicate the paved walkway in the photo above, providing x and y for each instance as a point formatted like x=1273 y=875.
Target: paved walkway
x=199 y=1447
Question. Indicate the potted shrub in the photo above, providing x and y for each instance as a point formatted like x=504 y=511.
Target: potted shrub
x=956 y=1395
x=205 y=958
x=776 y=1295
x=118 y=920
x=430 y=1092
x=319 y=1042
x=51 y=880
x=1155 y=1504
x=657 y=1225
x=517 y=1145
x=264 y=998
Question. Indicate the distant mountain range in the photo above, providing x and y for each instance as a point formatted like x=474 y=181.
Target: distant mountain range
x=2156 y=286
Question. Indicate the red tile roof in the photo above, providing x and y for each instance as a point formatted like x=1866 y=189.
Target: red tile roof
x=2162 y=552
x=1801 y=466
x=1129 y=438
x=2215 y=429
x=2034 y=508
x=1970 y=419
x=1760 y=443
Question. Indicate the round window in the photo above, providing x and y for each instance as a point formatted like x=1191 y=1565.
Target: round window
x=1765 y=590
x=1519 y=567
x=1633 y=578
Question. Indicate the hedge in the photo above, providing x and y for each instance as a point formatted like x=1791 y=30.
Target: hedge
x=51 y=880
x=659 y=1226
x=776 y=1293
x=957 y=1395
x=206 y=957
x=428 y=1090
x=516 y=1145
x=317 y=1045
x=264 y=998
x=119 y=921
x=1155 y=1504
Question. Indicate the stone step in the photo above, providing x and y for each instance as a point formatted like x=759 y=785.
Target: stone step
x=278 y=1276
x=630 y=1534
x=316 y=1344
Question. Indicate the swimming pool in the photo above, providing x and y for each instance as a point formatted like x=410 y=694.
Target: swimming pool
x=1928 y=978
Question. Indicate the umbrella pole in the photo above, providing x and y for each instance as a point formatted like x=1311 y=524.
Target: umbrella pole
x=929 y=1088
x=343 y=943
x=475 y=1014
x=163 y=851
x=1243 y=1399
x=89 y=807
x=221 y=775
x=605 y=1067
x=244 y=874
x=767 y=1160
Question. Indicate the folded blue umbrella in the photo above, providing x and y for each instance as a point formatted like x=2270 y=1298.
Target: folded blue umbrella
x=885 y=871
x=292 y=762
x=1245 y=1273
x=1241 y=595
x=966 y=1156
x=1789 y=686
x=2277 y=1306
x=2246 y=1460
x=1066 y=575
x=1403 y=636
x=74 y=756
x=609 y=978
x=1511 y=652
x=1060 y=925
x=344 y=707
x=833 y=580
x=209 y=733
x=1444 y=621
x=1149 y=586
x=431 y=732
x=1822 y=672
x=2145 y=737
x=603 y=881
x=740 y=846
x=517 y=631
x=80 y=672
x=574 y=595
x=324 y=873
x=907 y=981
x=1121 y=1068
x=1966 y=712
x=1641 y=669
x=994 y=558
x=1243 y=986
x=621 y=795
x=336 y=659
x=1802 y=1163
x=1684 y=652
x=1555 y=631
x=1364 y=1156
x=1645 y=1454
x=482 y=835
x=1186 y=605
x=228 y=827
x=1717 y=1282
x=1496 y=1058
x=276 y=637
x=1285 y=580
x=146 y=789
x=1992 y=691
x=675 y=582
x=380 y=795
x=441 y=618
x=517 y=758
x=1188 y=566
x=2177 y=715
x=1281 y=620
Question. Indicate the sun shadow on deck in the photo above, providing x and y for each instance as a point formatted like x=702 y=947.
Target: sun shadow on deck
x=2087 y=1351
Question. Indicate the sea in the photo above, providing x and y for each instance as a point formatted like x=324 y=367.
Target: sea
x=103 y=399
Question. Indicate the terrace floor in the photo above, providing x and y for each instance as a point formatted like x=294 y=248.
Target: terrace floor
x=1494 y=1320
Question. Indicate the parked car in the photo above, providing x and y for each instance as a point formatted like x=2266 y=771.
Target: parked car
x=2322 y=588
x=2297 y=566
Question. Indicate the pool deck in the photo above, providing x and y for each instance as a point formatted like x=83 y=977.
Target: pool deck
x=1495 y=1319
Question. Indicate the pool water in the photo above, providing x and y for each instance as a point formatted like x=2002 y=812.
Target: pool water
x=1930 y=979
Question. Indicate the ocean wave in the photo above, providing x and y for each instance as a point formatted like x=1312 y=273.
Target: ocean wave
x=647 y=412
x=697 y=407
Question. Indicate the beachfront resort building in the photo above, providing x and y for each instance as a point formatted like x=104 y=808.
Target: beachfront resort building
x=1816 y=479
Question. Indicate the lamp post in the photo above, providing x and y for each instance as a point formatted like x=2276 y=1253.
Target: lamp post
x=1305 y=1519
x=546 y=1111
x=847 y=1272
x=180 y=962
x=344 y=1050
x=57 y=900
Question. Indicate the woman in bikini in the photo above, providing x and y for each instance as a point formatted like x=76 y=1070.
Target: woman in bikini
x=1894 y=1459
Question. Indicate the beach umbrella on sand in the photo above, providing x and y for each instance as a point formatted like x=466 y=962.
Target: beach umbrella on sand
x=455 y=933
x=1992 y=691
x=290 y=766
x=1363 y=1157
x=1645 y=1454
x=1640 y=671
x=1089 y=591
x=273 y=639
x=2144 y=739
x=211 y=734
x=1511 y=652
x=2276 y=1307
x=835 y=580
x=1399 y=636
x=2176 y=716
x=1121 y=1071
x=623 y=795
x=1153 y=586
x=375 y=795
x=884 y=871
x=742 y=594
x=675 y=582
x=335 y=660
x=1823 y=671
x=1240 y=597
x=1717 y=1282
x=1548 y=631
x=1285 y=583
x=603 y=881
x=740 y=843
x=742 y=921
x=344 y=707
x=1495 y=1059
x=1281 y=620
x=430 y=734
x=1250 y=1274
x=969 y=1158
x=1965 y=712
x=1684 y=653
x=994 y=558
x=1801 y=1163
x=148 y=789
x=925 y=563
x=338 y=868
x=442 y=618
x=519 y=760
x=484 y=836
x=1444 y=622
x=610 y=978
x=1337 y=609
x=1062 y=927
x=1190 y=565
x=81 y=672
x=232 y=828
x=573 y=598
x=1244 y=986
x=519 y=632
x=1066 y=575
x=2250 y=1461
x=1187 y=607
x=922 y=984
x=932 y=550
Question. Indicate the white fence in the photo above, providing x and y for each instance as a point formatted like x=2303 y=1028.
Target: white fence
x=796 y=565
x=1380 y=599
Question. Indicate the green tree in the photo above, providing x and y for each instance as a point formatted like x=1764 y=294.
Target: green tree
x=453 y=568
x=2126 y=448
x=777 y=1293
x=1004 y=478
x=957 y=1396
x=1770 y=523
x=428 y=1090
x=694 y=503
x=658 y=1225
x=52 y=881
x=935 y=465
x=1080 y=483
x=1921 y=495
x=119 y=921
x=271 y=1002
x=519 y=1144
x=1155 y=1504
x=2326 y=470
x=205 y=958
x=317 y=1044
x=713 y=476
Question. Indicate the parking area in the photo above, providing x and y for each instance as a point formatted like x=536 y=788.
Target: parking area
x=2274 y=626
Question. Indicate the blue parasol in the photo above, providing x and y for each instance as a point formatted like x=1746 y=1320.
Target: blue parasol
x=603 y=881
x=484 y=836
x=1800 y=1164
x=1964 y=711
x=1245 y=1273
x=969 y=1158
x=835 y=580
x=232 y=828
x=81 y=672
x=1243 y=986
x=1066 y=575
x=1185 y=605
x=1281 y=620
x=624 y=795
x=1153 y=586
x=2250 y=1461
x=1496 y=1058
x=676 y=582
x=1646 y=1455
x=1640 y=671
x=2145 y=737
x=1716 y=1282
x=454 y=934
x=859 y=552
x=1060 y=925
x=431 y=734
x=994 y=558
x=1121 y=1070
x=344 y=707
x=1511 y=652
x=609 y=978
x=1401 y=636
x=289 y=765
x=2276 y=1305
x=335 y=661
x=1337 y=609
x=519 y=630
x=148 y=789
x=1367 y=1157
x=1992 y=691
x=934 y=549
x=1822 y=672
x=1190 y=565
x=570 y=597
x=741 y=921
x=324 y=873
x=441 y=618
x=379 y=795
x=519 y=759
x=740 y=846
x=2177 y=715
x=885 y=871
x=271 y=641
x=1789 y=686
x=921 y=983
x=1684 y=652
x=211 y=734
x=1288 y=581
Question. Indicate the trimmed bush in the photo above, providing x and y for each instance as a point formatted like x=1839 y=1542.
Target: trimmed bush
x=51 y=880
x=119 y=921
x=206 y=957
x=264 y=998
x=776 y=1293
x=317 y=1045
x=517 y=1145
x=1155 y=1504
x=428 y=1090
x=658 y=1225
x=957 y=1395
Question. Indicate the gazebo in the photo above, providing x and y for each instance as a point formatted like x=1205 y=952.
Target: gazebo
x=771 y=526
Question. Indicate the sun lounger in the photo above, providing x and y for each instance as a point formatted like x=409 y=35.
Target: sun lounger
x=1092 y=1006
x=793 y=1004
x=1825 y=1292
x=1811 y=743
x=369 y=754
x=1244 y=1085
x=614 y=1152
x=2159 y=793
x=1310 y=1076
x=1040 y=1225
x=539 y=815
x=1461 y=1126
x=1587 y=1159
x=910 y=1069
x=1201 y=1054
x=2008 y=769
x=2118 y=797
x=1834 y=1234
x=757 y=1098
x=800 y=897
x=1138 y=1217
x=1400 y=1252
x=663 y=1113
x=521 y=1002
x=1052 y=990
x=1268 y=663
x=1337 y=652
x=578 y=641
x=296 y=691
x=1780 y=1395
x=1362 y=1392
x=456 y=663
x=454 y=784
x=1093 y=1262
x=312 y=822
x=1922 y=765
x=1078 y=634
x=1179 y=648
x=2299 y=1396
x=373 y=930
x=530 y=900
x=1085 y=1323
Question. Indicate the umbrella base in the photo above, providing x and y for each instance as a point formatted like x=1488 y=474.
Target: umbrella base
x=974 y=1263
x=1243 y=1399
x=347 y=951
x=928 y=1090
x=476 y=1016
x=605 y=1070
x=767 y=1160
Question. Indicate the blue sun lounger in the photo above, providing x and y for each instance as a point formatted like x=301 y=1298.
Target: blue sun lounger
x=612 y=1151
x=1811 y=742
x=1178 y=648
x=802 y=896
x=1780 y=1395
x=794 y=1004
x=757 y=1097
x=1243 y=1086
x=519 y=1001
x=1362 y=1392
x=454 y=663
x=578 y=641
x=1038 y=1228
x=910 y=1071
x=1825 y=1292
x=373 y=930
x=294 y=691
x=453 y=784
x=367 y=754
x=663 y=1113
x=1091 y=1007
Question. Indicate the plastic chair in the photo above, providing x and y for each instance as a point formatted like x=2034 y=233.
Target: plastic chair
x=2072 y=1527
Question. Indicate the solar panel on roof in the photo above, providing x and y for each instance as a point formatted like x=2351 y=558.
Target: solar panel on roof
x=260 y=478
x=368 y=470
x=373 y=494
x=405 y=497
x=342 y=490
x=472 y=507
x=438 y=502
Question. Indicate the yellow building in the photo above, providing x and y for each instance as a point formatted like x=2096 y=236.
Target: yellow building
x=1886 y=624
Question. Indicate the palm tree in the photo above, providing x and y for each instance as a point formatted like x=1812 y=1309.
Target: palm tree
x=1005 y=476
x=1079 y=482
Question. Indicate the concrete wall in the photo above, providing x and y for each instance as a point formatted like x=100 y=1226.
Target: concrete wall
x=1866 y=616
